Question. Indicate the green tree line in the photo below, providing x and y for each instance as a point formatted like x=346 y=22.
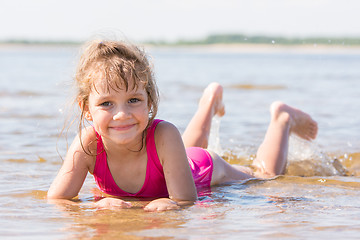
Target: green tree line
x=245 y=39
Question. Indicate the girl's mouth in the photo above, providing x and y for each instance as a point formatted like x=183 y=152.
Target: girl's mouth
x=123 y=127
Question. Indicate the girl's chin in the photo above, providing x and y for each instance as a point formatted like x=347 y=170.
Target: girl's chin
x=132 y=140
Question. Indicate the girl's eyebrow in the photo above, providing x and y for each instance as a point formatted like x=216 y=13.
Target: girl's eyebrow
x=106 y=96
x=103 y=97
x=138 y=94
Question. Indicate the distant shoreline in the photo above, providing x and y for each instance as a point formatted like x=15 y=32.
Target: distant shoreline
x=225 y=43
x=231 y=48
x=215 y=40
x=264 y=48
x=188 y=44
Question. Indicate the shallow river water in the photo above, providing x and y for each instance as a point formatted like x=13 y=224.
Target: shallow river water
x=317 y=198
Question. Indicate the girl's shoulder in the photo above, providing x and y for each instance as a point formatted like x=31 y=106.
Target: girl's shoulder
x=84 y=147
x=88 y=138
x=167 y=139
x=165 y=129
x=89 y=133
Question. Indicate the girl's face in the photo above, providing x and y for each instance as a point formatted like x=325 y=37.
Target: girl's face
x=119 y=116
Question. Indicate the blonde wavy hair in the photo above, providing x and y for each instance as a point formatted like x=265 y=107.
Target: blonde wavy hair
x=119 y=64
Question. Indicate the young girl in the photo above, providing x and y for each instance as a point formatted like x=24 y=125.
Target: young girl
x=132 y=154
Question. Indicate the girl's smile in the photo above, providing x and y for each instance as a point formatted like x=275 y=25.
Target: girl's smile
x=123 y=127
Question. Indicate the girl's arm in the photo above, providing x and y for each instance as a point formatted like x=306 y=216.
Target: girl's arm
x=179 y=180
x=72 y=174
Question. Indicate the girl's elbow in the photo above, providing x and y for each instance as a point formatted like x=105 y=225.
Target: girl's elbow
x=55 y=195
x=189 y=200
x=193 y=198
x=51 y=194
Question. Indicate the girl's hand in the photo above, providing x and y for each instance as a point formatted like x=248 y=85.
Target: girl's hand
x=161 y=204
x=112 y=204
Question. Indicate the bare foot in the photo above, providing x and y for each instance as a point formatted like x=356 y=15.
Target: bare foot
x=301 y=123
x=213 y=95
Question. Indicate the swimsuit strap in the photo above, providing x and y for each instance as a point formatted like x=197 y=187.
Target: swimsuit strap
x=151 y=147
x=150 y=139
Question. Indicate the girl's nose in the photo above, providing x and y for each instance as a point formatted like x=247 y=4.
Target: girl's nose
x=121 y=113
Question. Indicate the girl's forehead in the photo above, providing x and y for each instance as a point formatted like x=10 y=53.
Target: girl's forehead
x=104 y=85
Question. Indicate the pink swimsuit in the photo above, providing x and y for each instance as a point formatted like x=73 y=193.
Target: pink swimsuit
x=199 y=159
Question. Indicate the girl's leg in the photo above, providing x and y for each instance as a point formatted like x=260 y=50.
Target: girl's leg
x=224 y=172
x=197 y=132
x=271 y=156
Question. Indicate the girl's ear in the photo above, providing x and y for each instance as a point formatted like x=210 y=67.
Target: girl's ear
x=88 y=116
x=85 y=109
x=150 y=109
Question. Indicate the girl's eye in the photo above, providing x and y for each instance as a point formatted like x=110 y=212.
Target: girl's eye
x=134 y=100
x=105 y=104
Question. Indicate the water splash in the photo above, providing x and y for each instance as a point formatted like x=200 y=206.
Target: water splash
x=306 y=158
x=214 y=138
x=350 y=161
x=300 y=150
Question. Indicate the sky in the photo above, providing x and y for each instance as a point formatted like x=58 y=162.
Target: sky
x=170 y=20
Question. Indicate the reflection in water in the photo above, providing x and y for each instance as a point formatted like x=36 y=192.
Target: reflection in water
x=89 y=222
